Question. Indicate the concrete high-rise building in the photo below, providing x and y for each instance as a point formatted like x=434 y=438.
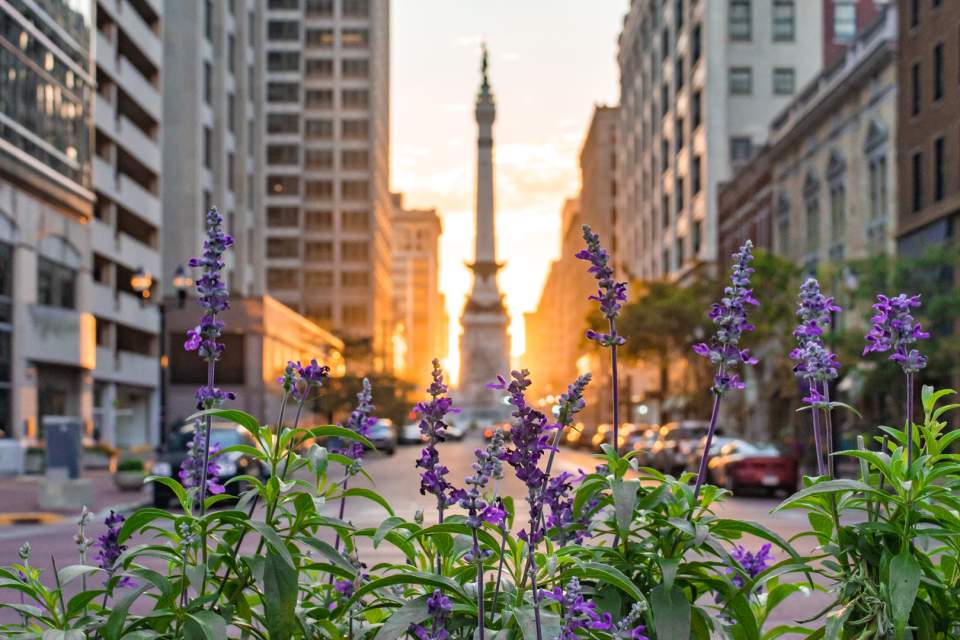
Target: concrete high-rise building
x=419 y=307
x=326 y=166
x=47 y=329
x=699 y=83
x=128 y=219
x=485 y=343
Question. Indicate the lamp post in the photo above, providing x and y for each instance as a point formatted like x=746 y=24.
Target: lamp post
x=142 y=282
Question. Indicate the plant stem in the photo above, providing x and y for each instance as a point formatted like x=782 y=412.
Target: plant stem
x=343 y=507
x=615 y=380
x=714 y=413
x=478 y=558
x=211 y=368
x=439 y=557
x=503 y=548
x=910 y=377
x=828 y=413
x=818 y=441
x=533 y=583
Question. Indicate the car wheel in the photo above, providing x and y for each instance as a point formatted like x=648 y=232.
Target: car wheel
x=391 y=451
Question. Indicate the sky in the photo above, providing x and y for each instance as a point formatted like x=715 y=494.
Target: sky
x=551 y=61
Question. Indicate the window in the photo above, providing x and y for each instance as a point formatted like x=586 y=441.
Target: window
x=696 y=45
x=283 y=123
x=319 y=251
x=695 y=175
x=844 y=21
x=355 y=159
x=678 y=199
x=354 y=38
x=231 y=53
x=283 y=185
x=697 y=109
x=231 y=172
x=354 y=279
x=665 y=43
x=320 y=8
x=740 y=25
x=283 y=61
x=665 y=260
x=354 y=189
x=56 y=284
x=319 y=129
x=784 y=81
x=741 y=149
x=784 y=20
x=208 y=19
x=917 y=181
x=282 y=279
x=678 y=75
x=319 y=98
x=914 y=13
x=283 y=248
x=664 y=98
x=283 y=92
x=665 y=210
x=320 y=189
x=231 y=113
x=664 y=154
x=283 y=217
x=283 y=154
x=838 y=210
x=940 y=172
x=938 y=72
x=319 y=220
x=207 y=83
x=323 y=38
x=741 y=81
x=319 y=159
x=355 y=68
x=811 y=198
x=283 y=30
x=355 y=129
x=678 y=14
x=697 y=237
x=352 y=250
x=318 y=279
x=915 y=89
x=355 y=98
x=356 y=8
x=284 y=4
x=355 y=220
x=678 y=250
x=251 y=28
x=354 y=314
x=207 y=148
x=319 y=68
x=322 y=314
x=678 y=134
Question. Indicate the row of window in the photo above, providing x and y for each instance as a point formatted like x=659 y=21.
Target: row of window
x=316 y=219
x=317 y=67
x=317 y=189
x=740 y=80
x=918 y=176
x=680 y=254
x=290 y=279
x=317 y=251
x=322 y=313
x=317 y=159
x=289 y=31
x=938 y=79
x=915 y=10
x=318 y=128
x=784 y=20
x=325 y=8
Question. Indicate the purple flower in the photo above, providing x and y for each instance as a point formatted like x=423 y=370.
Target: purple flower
x=359 y=422
x=300 y=380
x=730 y=317
x=894 y=328
x=561 y=523
x=191 y=470
x=439 y=608
x=530 y=439
x=629 y=627
x=814 y=361
x=344 y=588
x=611 y=294
x=433 y=424
x=751 y=564
x=571 y=402
x=578 y=612
x=478 y=510
x=111 y=549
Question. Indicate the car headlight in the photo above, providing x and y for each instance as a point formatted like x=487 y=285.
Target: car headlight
x=227 y=468
x=161 y=469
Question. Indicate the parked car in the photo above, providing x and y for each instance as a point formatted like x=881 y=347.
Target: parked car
x=410 y=434
x=693 y=460
x=581 y=435
x=603 y=436
x=677 y=440
x=641 y=440
x=741 y=465
x=231 y=464
x=455 y=431
x=492 y=429
x=383 y=435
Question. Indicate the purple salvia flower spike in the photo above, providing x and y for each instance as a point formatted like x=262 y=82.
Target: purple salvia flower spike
x=111 y=549
x=578 y=612
x=749 y=563
x=439 y=608
x=433 y=415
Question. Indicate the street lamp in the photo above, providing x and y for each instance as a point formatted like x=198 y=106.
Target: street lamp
x=181 y=283
x=141 y=281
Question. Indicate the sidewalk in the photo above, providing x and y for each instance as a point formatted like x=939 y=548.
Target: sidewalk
x=19 y=499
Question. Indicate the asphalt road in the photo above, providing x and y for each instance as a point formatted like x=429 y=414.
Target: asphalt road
x=396 y=478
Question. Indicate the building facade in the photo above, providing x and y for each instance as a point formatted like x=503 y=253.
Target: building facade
x=745 y=209
x=928 y=140
x=47 y=329
x=420 y=311
x=128 y=219
x=326 y=166
x=833 y=153
x=699 y=83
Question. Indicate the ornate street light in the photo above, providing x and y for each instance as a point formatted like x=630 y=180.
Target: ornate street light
x=181 y=284
x=142 y=281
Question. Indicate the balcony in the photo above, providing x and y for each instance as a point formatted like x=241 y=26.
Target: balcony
x=134 y=254
x=106 y=54
x=140 y=33
x=136 y=85
x=124 y=308
x=57 y=336
x=129 y=368
x=104 y=178
x=105 y=116
x=139 y=144
x=139 y=200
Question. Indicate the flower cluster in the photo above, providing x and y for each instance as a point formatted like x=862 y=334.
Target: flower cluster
x=894 y=328
x=571 y=402
x=212 y=295
x=191 y=470
x=299 y=379
x=439 y=608
x=359 y=422
x=629 y=627
x=578 y=612
x=749 y=563
x=110 y=548
x=561 y=523
x=486 y=467
x=730 y=317
x=433 y=425
x=611 y=294
x=815 y=363
x=530 y=439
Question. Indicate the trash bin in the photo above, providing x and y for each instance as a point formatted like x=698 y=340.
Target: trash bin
x=62 y=436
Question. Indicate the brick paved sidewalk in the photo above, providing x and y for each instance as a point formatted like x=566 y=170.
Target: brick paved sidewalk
x=20 y=498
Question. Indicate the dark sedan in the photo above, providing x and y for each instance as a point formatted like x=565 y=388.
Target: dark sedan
x=740 y=465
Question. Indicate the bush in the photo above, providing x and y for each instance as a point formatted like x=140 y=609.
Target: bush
x=130 y=464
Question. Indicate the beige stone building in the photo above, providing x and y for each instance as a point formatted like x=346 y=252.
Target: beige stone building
x=420 y=334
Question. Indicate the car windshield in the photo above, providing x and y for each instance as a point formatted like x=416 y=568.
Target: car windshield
x=380 y=428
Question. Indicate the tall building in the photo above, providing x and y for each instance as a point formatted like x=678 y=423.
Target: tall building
x=326 y=166
x=47 y=330
x=212 y=117
x=699 y=83
x=928 y=141
x=126 y=229
x=419 y=307
x=485 y=343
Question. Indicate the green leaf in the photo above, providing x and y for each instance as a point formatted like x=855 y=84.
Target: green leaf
x=671 y=613
x=280 y=588
x=74 y=571
x=624 y=501
x=549 y=623
x=56 y=634
x=833 y=630
x=369 y=494
x=271 y=537
x=118 y=615
x=904 y=583
x=204 y=625
x=605 y=574
x=386 y=527
x=829 y=486
x=413 y=612
x=237 y=417
x=668 y=567
x=176 y=487
x=142 y=517
x=340 y=432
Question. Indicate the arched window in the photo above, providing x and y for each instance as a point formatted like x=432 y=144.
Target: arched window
x=837 y=175
x=783 y=224
x=875 y=149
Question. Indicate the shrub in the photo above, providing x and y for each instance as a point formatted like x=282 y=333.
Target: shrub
x=130 y=464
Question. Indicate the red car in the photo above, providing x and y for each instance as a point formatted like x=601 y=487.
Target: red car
x=740 y=465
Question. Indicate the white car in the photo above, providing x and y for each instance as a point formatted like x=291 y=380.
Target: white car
x=410 y=434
